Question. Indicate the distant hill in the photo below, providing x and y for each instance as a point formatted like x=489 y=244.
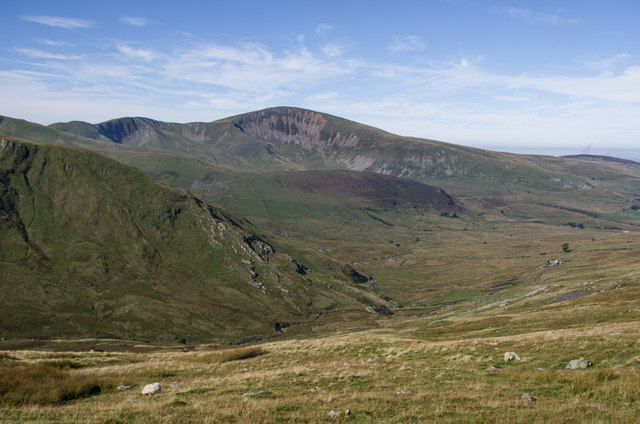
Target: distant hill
x=217 y=159
x=600 y=158
x=91 y=247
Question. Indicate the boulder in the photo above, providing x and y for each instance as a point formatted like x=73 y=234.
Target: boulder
x=151 y=389
x=511 y=356
x=577 y=364
x=334 y=414
x=260 y=393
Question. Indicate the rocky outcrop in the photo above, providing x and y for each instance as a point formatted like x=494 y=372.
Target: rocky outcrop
x=354 y=275
x=131 y=131
x=305 y=128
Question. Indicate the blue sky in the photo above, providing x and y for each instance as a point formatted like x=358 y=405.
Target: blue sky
x=550 y=77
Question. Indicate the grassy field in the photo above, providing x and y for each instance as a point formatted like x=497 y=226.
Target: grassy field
x=429 y=362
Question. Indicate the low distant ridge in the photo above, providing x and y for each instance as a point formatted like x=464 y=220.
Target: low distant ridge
x=601 y=158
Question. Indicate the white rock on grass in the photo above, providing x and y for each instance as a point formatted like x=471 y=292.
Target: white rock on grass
x=334 y=414
x=511 y=356
x=260 y=393
x=577 y=364
x=151 y=389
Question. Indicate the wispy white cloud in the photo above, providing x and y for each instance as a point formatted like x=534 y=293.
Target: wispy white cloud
x=323 y=29
x=60 y=22
x=144 y=54
x=41 y=54
x=48 y=42
x=405 y=43
x=515 y=99
x=540 y=18
x=250 y=67
x=609 y=63
x=135 y=20
x=334 y=49
x=468 y=103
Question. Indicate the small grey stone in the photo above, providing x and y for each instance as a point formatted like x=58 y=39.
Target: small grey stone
x=124 y=387
x=494 y=368
x=260 y=393
x=174 y=386
x=405 y=392
x=529 y=397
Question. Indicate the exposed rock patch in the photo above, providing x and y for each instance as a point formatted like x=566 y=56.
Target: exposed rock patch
x=571 y=295
x=289 y=125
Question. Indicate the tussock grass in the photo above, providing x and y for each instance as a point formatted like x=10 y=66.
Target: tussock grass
x=46 y=385
x=63 y=364
x=6 y=357
x=229 y=355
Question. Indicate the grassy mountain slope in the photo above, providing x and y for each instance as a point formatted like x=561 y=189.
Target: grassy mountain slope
x=92 y=247
x=319 y=182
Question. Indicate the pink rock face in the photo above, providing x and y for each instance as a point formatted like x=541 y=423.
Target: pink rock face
x=151 y=389
x=301 y=127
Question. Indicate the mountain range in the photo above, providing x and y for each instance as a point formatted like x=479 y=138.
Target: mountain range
x=238 y=227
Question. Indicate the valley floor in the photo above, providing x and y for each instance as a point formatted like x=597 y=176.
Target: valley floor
x=400 y=372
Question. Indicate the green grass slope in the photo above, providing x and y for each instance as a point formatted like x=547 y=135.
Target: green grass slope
x=90 y=247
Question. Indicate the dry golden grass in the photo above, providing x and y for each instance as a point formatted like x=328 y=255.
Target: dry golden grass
x=380 y=377
x=44 y=384
x=228 y=355
x=420 y=365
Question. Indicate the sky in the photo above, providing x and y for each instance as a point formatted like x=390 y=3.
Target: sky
x=552 y=77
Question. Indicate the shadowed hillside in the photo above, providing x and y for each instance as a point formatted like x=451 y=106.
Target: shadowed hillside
x=90 y=247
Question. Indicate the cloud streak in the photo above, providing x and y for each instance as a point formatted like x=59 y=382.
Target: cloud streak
x=60 y=22
x=41 y=54
x=405 y=43
x=134 y=21
x=539 y=18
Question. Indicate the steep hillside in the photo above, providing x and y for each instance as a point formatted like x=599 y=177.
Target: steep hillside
x=90 y=247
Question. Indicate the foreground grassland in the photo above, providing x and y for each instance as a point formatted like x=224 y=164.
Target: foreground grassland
x=380 y=376
x=423 y=364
